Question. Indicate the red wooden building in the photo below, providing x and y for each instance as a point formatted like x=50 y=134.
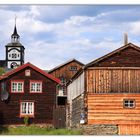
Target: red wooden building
x=27 y=91
x=107 y=91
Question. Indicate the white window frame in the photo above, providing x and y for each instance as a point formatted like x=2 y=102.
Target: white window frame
x=34 y=87
x=17 y=86
x=27 y=108
x=129 y=103
x=27 y=73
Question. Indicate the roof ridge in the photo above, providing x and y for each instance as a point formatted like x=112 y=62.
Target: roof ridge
x=62 y=64
x=111 y=53
x=33 y=67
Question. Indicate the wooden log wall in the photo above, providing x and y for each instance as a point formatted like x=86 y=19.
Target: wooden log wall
x=113 y=80
x=129 y=129
x=109 y=109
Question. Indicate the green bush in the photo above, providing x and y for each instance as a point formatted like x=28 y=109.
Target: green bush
x=26 y=120
x=2 y=71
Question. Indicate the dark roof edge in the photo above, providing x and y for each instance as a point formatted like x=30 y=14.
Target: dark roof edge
x=28 y=64
x=111 y=53
x=63 y=64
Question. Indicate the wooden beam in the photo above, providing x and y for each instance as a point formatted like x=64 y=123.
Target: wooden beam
x=117 y=68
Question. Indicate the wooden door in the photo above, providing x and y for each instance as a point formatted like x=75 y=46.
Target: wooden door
x=59 y=117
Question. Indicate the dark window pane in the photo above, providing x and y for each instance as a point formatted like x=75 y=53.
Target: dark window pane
x=131 y=102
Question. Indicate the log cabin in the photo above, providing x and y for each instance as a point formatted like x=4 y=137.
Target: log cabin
x=27 y=91
x=106 y=91
x=65 y=72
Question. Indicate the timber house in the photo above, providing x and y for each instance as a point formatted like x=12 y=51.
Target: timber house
x=27 y=91
x=106 y=91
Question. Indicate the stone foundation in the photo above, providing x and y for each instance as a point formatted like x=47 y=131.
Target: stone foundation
x=101 y=129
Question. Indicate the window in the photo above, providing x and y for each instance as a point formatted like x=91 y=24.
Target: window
x=73 y=68
x=129 y=103
x=17 y=86
x=27 y=109
x=27 y=73
x=36 y=87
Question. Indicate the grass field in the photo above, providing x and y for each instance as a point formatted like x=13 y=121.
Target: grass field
x=35 y=130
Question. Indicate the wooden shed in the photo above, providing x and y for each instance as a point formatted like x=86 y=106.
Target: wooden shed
x=107 y=91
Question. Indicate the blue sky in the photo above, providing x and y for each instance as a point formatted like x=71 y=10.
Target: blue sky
x=53 y=34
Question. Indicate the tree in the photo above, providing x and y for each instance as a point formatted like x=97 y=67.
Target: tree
x=2 y=70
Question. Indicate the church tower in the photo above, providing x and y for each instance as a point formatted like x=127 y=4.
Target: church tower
x=14 y=51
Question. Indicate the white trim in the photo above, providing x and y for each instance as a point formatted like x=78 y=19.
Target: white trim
x=27 y=107
x=35 y=87
x=15 y=86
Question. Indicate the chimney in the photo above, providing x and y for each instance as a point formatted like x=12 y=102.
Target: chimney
x=125 y=38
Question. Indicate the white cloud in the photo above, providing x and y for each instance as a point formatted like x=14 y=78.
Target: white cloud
x=79 y=36
x=34 y=11
x=135 y=28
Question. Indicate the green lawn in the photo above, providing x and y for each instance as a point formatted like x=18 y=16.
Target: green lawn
x=35 y=130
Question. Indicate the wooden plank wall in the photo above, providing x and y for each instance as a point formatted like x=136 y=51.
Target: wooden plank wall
x=108 y=109
x=113 y=80
x=76 y=88
x=59 y=117
x=129 y=129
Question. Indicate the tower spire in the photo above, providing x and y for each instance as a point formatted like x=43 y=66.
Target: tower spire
x=15 y=37
x=15 y=19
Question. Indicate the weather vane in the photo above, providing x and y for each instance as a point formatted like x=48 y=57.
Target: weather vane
x=15 y=18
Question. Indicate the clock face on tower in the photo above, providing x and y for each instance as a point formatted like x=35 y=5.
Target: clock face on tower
x=14 y=54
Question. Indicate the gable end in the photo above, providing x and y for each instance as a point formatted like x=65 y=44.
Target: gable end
x=126 y=56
